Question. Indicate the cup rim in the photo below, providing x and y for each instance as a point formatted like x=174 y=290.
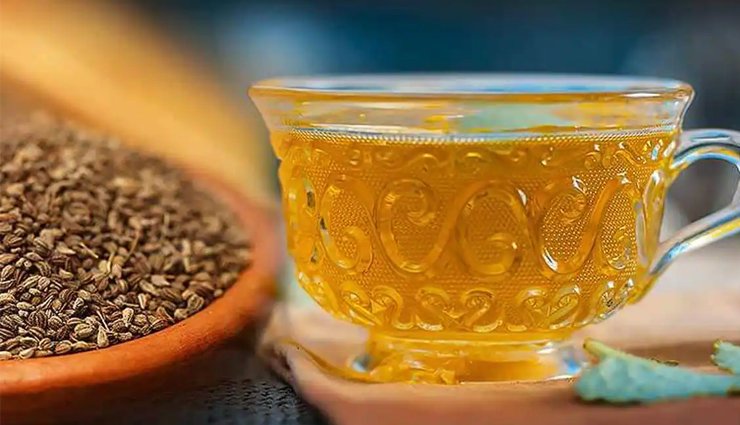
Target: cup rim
x=515 y=87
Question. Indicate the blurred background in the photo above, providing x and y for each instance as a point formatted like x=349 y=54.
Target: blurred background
x=172 y=75
x=694 y=41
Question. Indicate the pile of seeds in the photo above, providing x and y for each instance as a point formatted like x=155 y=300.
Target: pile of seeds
x=100 y=244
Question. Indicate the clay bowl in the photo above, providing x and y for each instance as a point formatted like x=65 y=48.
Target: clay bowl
x=62 y=388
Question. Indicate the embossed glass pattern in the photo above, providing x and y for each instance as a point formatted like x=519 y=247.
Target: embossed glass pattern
x=473 y=224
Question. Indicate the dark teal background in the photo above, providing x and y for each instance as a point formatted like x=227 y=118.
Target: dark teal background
x=694 y=41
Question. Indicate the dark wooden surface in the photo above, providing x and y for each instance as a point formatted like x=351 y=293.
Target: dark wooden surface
x=229 y=385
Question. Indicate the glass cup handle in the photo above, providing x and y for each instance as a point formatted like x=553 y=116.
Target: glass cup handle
x=696 y=145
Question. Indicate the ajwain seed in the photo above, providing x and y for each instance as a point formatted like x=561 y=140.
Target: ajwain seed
x=102 y=338
x=81 y=345
x=83 y=331
x=181 y=313
x=6 y=298
x=24 y=306
x=143 y=300
x=28 y=341
x=195 y=303
x=127 y=315
x=101 y=244
x=7 y=258
x=62 y=347
x=44 y=344
x=140 y=320
x=26 y=353
x=124 y=336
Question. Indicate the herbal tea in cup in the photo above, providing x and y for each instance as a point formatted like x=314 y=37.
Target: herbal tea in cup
x=473 y=223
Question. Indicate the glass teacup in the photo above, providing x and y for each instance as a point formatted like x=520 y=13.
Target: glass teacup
x=473 y=223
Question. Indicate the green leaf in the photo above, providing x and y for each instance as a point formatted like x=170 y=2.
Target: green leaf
x=619 y=377
x=727 y=357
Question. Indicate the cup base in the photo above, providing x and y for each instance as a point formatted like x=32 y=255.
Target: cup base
x=393 y=358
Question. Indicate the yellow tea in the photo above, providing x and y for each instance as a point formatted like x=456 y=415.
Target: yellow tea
x=505 y=239
x=472 y=223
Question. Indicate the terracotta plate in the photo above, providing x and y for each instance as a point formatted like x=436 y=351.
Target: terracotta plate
x=42 y=389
